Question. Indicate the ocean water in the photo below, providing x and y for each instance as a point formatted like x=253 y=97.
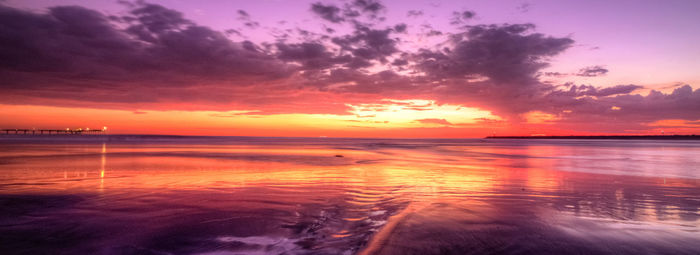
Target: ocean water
x=248 y=195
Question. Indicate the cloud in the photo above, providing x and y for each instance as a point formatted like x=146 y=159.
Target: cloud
x=76 y=42
x=350 y=12
x=554 y=74
x=243 y=14
x=630 y=109
x=400 y=28
x=328 y=12
x=462 y=17
x=247 y=21
x=414 y=13
x=584 y=90
x=524 y=7
x=503 y=53
x=435 y=121
x=433 y=33
x=369 y=6
x=368 y=43
x=311 y=55
x=592 y=71
x=150 y=55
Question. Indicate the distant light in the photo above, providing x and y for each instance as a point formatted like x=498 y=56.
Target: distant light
x=615 y=108
x=104 y=128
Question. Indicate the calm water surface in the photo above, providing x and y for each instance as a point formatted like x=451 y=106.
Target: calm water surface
x=234 y=195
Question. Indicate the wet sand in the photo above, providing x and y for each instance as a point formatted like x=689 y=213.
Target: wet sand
x=295 y=196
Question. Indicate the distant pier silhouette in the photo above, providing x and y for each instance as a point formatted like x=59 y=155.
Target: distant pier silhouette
x=67 y=131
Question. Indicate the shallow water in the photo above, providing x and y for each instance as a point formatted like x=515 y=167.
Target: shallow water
x=237 y=195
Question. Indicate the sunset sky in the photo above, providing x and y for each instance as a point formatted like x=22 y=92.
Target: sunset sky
x=354 y=68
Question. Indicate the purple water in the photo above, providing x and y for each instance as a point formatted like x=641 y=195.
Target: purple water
x=247 y=195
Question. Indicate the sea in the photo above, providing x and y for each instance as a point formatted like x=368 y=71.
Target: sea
x=131 y=194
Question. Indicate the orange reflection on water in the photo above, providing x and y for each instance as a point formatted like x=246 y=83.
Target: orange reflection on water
x=373 y=194
x=424 y=175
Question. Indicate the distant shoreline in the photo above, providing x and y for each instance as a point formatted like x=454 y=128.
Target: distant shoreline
x=124 y=137
x=616 y=137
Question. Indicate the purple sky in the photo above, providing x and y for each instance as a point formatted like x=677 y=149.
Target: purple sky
x=631 y=64
x=650 y=43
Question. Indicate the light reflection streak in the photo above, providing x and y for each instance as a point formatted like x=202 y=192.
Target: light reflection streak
x=103 y=162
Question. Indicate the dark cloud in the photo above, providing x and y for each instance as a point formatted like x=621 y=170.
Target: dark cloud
x=155 y=39
x=468 y=14
x=621 y=107
x=592 y=71
x=503 y=53
x=433 y=33
x=414 y=13
x=251 y=24
x=243 y=14
x=400 y=62
x=79 y=54
x=311 y=55
x=370 y=6
x=588 y=90
x=154 y=18
x=461 y=17
x=400 y=28
x=554 y=74
x=301 y=51
x=328 y=12
x=350 y=11
x=368 y=43
x=247 y=21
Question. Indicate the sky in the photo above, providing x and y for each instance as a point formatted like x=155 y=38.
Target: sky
x=352 y=68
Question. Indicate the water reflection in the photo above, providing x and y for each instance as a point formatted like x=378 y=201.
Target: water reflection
x=103 y=162
x=379 y=198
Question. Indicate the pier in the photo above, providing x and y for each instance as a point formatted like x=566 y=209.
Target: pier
x=67 y=131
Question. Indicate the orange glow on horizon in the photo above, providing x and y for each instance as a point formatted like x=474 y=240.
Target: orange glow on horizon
x=391 y=119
